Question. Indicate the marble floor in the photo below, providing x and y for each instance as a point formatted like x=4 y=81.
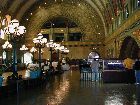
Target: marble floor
x=67 y=89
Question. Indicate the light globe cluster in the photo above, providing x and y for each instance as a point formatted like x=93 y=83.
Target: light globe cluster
x=40 y=41
x=14 y=30
x=23 y=48
x=7 y=45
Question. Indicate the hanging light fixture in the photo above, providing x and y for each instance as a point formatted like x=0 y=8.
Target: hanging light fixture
x=40 y=43
x=15 y=33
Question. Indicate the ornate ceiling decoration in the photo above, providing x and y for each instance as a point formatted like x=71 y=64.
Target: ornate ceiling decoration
x=89 y=15
x=81 y=18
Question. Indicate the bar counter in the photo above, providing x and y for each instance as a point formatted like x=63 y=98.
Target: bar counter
x=118 y=76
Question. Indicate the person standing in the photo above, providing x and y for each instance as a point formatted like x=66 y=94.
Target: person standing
x=55 y=64
x=63 y=60
x=137 y=71
x=95 y=68
x=128 y=65
x=45 y=68
x=65 y=67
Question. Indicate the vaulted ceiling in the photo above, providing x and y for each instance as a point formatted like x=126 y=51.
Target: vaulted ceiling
x=89 y=15
x=19 y=7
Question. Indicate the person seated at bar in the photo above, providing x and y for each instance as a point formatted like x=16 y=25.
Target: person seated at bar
x=63 y=60
x=54 y=64
x=45 y=68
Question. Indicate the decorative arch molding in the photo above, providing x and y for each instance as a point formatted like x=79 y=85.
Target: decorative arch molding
x=129 y=48
x=80 y=17
x=97 y=8
x=136 y=39
x=132 y=36
x=93 y=4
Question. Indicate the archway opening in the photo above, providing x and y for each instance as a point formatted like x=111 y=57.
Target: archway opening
x=129 y=48
x=61 y=29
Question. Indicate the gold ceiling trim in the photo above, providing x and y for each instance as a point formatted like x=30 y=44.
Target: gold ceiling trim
x=3 y=3
x=97 y=5
x=14 y=6
x=74 y=13
x=24 y=8
x=99 y=12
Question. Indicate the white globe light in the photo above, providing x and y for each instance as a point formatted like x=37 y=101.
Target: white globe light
x=40 y=36
x=15 y=23
x=33 y=49
x=21 y=29
x=11 y=29
x=10 y=46
x=44 y=40
x=6 y=42
x=4 y=46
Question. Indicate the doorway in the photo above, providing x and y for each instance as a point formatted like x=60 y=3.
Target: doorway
x=129 y=48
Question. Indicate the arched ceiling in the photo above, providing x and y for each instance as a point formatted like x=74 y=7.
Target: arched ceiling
x=34 y=13
x=13 y=6
x=81 y=17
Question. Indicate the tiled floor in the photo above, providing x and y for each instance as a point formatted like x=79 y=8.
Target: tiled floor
x=67 y=89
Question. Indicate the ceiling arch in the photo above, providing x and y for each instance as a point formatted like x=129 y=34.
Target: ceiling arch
x=98 y=10
x=15 y=5
x=74 y=13
x=19 y=7
x=97 y=6
x=3 y=3
x=129 y=48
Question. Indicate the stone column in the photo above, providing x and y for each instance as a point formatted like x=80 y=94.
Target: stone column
x=51 y=32
x=66 y=34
